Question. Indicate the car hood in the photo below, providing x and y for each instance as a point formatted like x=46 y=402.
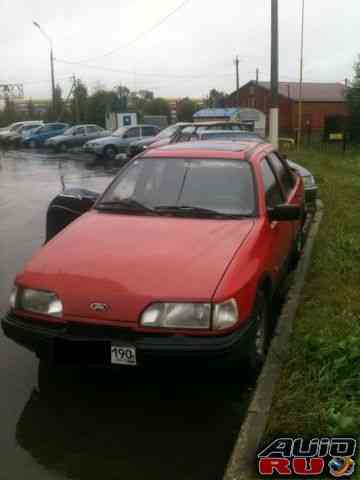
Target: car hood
x=105 y=140
x=144 y=142
x=131 y=261
x=58 y=138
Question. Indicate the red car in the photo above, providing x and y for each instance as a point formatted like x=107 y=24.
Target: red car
x=179 y=258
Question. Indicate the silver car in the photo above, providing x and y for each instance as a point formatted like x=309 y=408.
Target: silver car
x=119 y=140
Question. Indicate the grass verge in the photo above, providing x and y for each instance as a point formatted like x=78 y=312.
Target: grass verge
x=319 y=389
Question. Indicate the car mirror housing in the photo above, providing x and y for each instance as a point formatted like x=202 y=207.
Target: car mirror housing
x=284 y=213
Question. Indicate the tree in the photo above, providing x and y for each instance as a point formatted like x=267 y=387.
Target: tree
x=78 y=103
x=98 y=104
x=9 y=114
x=353 y=102
x=186 y=109
x=216 y=99
x=158 y=106
x=31 y=113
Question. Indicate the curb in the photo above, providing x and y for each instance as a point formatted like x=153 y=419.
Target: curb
x=242 y=461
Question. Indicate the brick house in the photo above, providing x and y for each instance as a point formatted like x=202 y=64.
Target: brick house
x=319 y=101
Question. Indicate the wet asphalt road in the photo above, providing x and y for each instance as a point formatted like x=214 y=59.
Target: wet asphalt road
x=125 y=424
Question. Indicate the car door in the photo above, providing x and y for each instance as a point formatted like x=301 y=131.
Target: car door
x=290 y=185
x=280 y=234
x=92 y=132
x=79 y=137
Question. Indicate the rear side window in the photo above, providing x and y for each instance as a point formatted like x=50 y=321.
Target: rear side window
x=149 y=131
x=273 y=194
x=80 y=131
x=92 y=129
x=285 y=176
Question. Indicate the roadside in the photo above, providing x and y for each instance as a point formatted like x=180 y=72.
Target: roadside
x=320 y=383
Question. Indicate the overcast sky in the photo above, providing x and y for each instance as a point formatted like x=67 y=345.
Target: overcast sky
x=189 y=53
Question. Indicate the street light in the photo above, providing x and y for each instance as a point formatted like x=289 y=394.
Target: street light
x=301 y=77
x=51 y=63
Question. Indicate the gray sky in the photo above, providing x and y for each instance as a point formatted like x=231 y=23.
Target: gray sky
x=188 y=54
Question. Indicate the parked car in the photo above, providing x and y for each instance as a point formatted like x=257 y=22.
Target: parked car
x=119 y=140
x=311 y=189
x=37 y=138
x=15 y=138
x=13 y=128
x=162 y=138
x=179 y=258
x=75 y=137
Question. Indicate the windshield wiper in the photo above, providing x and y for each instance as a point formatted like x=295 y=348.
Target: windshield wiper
x=193 y=210
x=125 y=204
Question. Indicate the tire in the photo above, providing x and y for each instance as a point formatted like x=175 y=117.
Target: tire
x=258 y=351
x=298 y=249
x=62 y=147
x=110 y=152
x=33 y=144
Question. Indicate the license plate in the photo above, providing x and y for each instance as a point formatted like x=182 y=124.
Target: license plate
x=123 y=355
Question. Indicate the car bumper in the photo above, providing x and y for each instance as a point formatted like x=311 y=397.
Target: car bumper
x=91 y=345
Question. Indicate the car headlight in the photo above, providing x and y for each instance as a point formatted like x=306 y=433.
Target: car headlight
x=225 y=315
x=177 y=315
x=309 y=181
x=37 y=301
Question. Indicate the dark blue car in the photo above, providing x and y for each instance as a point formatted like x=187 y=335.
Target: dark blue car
x=36 y=138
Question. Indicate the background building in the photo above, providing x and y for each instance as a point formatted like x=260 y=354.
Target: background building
x=320 y=100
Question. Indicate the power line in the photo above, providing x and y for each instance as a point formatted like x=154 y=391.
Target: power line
x=140 y=35
x=128 y=72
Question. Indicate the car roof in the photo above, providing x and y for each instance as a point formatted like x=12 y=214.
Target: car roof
x=231 y=132
x=208 y=149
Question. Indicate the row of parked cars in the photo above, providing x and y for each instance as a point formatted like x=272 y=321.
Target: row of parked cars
x=127 y=142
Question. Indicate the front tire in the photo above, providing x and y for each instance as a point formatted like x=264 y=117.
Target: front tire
x=62 y=148
x=259 y=348
x=110 y=152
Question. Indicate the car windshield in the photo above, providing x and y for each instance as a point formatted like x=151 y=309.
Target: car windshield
x=228 y=135
x=188 y=187
x=69 y=131
x=119 y=132
x=167 y=133
x=15 y=127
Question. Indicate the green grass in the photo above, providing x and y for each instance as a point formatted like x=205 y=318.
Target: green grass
x=319 y=389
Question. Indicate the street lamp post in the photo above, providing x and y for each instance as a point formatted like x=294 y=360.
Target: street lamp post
x=51 y=63
x=274 y=110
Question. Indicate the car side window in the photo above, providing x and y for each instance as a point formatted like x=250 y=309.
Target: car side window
x=80 y=131
x=285 y=176
x=92 y=129
x=132 y=133
x=273 y=194
x=148 y=131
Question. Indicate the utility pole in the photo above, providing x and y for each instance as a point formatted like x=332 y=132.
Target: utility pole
x=51 y=65
x=300 y=104
x=257 y=76
x=274 y=110
x=237 y=81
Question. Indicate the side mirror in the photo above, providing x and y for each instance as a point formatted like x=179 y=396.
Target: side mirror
x=284 y=213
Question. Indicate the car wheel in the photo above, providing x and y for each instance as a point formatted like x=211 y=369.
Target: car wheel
x=62 y=147
x=298 y=249
x=33 y=144
x=258 y=351
x=110 y=152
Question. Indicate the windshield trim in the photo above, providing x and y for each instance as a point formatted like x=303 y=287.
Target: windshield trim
x=254 y=214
